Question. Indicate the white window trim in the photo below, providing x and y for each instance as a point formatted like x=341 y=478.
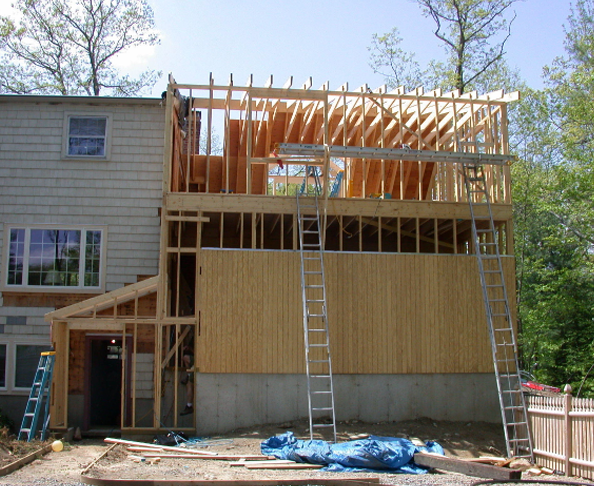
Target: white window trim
x=66 y=135
x=17 y=343
x=52 y=289
x=6 y=366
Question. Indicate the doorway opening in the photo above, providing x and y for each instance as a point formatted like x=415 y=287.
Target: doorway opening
x=103 y=382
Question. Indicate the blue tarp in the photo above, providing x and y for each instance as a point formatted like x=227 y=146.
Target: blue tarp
x=375 y=453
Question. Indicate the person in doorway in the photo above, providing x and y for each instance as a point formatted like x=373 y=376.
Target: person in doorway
x=188 y=379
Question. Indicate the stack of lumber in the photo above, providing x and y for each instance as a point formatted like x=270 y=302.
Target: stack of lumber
x=514 y=463
x=151 y=453
x=491 y=467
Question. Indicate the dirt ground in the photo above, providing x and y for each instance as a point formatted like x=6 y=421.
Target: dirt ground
x=462 y=440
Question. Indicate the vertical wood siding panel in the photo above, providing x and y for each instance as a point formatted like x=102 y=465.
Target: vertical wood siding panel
x=388 y=313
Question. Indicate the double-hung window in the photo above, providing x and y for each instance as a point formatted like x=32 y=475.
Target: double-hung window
x=87 y=136
x=42 y=258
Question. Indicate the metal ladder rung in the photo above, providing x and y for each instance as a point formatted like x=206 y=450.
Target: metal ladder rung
x=318 y=385
x=319 y=426
x=478 y=197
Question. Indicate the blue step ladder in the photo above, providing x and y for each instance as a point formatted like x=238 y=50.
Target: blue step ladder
x=39 y=399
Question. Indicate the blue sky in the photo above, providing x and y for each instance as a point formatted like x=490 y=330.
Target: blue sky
x=325 y=39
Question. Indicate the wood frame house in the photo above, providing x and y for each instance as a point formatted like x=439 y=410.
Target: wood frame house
x=80 y=202
x=406 y=317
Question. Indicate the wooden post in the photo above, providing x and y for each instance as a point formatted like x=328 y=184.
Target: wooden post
x=567 y=398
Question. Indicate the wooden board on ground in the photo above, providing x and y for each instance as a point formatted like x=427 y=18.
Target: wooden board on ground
x=358 y=481
x=294 y=465
x=157 y=446
x=214 y=458
x=13 y=466
x=469 y=468
x=251 y=463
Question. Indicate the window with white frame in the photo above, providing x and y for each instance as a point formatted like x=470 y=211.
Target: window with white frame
x=53 y=258
x=2 y=365
x=87 y=136
x=27 y=362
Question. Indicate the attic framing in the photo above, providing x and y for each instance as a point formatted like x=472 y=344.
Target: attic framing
x=224 y=189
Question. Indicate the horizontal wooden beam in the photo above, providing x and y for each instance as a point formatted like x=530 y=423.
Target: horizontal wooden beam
x=191 y=219
x=312 y=94
x=386 y=208
x=357 y=481
x=465 y=467
x=107 y=324
x=121 y=295
x=95 y=325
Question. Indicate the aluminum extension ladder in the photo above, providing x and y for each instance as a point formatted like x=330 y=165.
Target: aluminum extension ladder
x=318 y=363
x=39 y=399
x=499 y=320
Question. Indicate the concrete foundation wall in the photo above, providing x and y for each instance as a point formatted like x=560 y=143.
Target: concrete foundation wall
x=14 y=407
x=229 y=401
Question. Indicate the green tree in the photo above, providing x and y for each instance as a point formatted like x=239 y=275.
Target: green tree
x=68 y=47
x=474 y=34
x=554 y=205
x=398 y=66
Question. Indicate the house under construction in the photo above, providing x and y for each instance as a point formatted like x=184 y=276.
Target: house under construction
x=260 y=186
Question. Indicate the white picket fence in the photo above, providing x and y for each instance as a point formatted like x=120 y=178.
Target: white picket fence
x=563 y=433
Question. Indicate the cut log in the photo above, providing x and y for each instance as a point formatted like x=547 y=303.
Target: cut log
x=469 y=468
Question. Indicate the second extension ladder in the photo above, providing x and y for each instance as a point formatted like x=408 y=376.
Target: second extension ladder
x=39 y=399
x=318 y=363
x=499 y=319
